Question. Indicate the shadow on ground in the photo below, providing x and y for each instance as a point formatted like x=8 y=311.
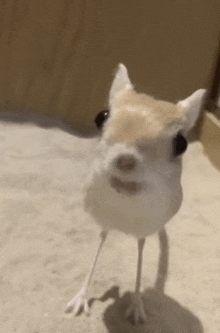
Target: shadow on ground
x=164 y=314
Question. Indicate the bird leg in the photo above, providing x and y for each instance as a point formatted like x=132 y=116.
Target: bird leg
x=80 y=300
x=136 y=311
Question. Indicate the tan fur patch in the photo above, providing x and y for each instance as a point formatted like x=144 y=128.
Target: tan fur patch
x=137 y=116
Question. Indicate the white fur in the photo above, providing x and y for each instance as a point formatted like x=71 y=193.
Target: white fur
x=141 y=214
x=193 y=105
x=157 y=171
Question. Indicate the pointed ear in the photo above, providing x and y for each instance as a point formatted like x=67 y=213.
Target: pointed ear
x=120 y=82
x=192 y=106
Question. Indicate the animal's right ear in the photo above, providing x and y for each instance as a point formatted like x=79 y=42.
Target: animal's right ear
x=120 y=82
x=192 y=106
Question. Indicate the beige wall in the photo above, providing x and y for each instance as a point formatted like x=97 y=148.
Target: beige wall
x=57 y=56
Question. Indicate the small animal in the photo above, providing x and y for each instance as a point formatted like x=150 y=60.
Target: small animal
x=134 y=185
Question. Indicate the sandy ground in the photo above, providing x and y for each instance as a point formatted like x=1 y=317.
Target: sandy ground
x=47 y=243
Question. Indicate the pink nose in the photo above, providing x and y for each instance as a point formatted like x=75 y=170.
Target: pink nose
x=126 y=162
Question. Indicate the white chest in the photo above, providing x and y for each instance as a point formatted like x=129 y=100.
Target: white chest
x=140 y=215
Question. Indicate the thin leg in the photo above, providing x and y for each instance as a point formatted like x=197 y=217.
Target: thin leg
x=81 y=299
x=92 y=268
x=136 y=311
x=141 y=243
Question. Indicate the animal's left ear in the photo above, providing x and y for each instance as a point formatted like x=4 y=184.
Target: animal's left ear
x=192 y=106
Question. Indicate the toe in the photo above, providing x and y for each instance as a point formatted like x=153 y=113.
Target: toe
x=70 y=304
x=86 y=307
x=136 y=314
x=69 y=308
x=77 y=306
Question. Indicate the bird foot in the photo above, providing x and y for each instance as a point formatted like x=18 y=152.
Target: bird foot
x=136 y=313
x=78 y=302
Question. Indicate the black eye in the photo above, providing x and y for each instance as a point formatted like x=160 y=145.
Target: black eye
x=101 y=118
x=179 y=145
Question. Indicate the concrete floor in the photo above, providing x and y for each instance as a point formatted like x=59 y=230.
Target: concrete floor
x=47 y=243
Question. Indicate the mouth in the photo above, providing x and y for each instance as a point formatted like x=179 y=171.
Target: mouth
x=130 y=188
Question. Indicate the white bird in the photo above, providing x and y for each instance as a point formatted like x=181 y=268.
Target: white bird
x=135 y=182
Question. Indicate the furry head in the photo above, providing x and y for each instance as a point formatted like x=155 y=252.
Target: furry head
x=134 y=185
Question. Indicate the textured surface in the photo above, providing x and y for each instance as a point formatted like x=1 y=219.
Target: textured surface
x=47 y=243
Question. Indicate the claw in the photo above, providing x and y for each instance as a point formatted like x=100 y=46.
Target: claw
x=136 y=313
x=86 y=308
x=78 y=302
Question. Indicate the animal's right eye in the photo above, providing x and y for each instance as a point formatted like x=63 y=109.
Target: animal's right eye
x=101 y=118
x=179 y=145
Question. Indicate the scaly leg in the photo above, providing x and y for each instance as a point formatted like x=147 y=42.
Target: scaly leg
x=81 y=299
x=136 y=310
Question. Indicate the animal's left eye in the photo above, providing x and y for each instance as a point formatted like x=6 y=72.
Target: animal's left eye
x=179 y=144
